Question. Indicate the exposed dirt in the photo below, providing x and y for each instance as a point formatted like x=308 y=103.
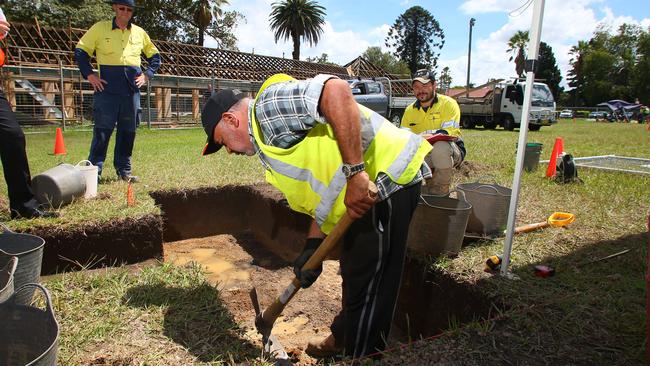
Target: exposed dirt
x=236 y=263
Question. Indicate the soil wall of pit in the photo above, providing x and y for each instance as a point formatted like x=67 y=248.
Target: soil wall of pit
x=117 y=242
x=259 y=209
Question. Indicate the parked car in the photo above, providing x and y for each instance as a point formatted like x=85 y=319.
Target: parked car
x=567 y=113
x=598 y=115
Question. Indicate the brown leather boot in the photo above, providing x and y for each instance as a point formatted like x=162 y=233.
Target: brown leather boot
x=324 y=348
x=439 y=184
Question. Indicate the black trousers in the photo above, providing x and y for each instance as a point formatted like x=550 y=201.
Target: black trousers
x=14 y=160
x=372 y=260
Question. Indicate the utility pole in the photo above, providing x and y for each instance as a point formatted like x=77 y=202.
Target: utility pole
x=469 y=54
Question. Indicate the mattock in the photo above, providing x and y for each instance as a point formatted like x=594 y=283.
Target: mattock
x=264 y=320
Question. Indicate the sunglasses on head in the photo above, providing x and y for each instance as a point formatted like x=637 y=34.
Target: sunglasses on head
x=124 y=8
x=422 y=74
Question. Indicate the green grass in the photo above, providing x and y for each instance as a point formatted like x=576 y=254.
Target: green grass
x=161 y=315
x=588 y=313
x=163 y=159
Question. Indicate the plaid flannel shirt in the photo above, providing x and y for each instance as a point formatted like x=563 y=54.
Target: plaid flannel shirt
x=286 y=112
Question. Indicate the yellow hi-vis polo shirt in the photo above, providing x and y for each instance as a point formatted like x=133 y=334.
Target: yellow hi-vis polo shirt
x=443 y=114
x=118 y=55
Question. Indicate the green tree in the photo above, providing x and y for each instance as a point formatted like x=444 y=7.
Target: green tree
x=548 y=69
x=204 y=13
x=416 y=38
x=170 y=20
x=641 y=74
x=386 y=61
x=297 y=20
x=322 y=59
x=58 y=13
x=611 y=65
x=517 y=50
x=576 y=73
x=444 y=80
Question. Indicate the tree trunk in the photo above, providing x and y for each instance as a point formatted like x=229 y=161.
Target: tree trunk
x=201 y=36
x=296 y=46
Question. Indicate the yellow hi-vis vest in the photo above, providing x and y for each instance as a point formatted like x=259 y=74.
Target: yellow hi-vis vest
x=309 y=172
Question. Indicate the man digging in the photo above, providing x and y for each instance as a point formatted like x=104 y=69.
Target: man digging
x=320 y=149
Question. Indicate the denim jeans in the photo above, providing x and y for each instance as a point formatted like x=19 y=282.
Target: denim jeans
x=110 y=111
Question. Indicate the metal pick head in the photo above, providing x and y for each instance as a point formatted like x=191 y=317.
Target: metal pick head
x=272 y=345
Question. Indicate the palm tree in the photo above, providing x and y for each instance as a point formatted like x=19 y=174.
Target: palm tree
x=204 y=12
x=516 y=47
x=297 y=19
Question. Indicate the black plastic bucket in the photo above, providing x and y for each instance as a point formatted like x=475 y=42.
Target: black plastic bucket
x=29 y=250
x=490 y=204
x=438 y=224
x=7 y=279
x=29 y=336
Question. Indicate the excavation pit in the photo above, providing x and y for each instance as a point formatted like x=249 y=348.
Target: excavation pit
x=245 y=236
x=250 y=238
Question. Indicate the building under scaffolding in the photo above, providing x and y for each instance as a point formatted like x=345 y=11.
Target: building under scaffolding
x=42 y=82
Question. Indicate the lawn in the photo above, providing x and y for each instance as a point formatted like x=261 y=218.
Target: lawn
x=593 y=311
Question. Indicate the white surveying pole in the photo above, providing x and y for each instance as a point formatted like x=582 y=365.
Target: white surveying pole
x=531 y=63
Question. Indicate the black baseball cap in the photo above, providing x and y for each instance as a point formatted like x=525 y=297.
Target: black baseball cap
x=218 y=104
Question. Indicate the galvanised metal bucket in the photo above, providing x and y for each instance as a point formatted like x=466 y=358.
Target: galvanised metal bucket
x=59 y=186
x=29 y=250
x=438 y=224
x=7 y=279
x=490 y=203
x=28 y=335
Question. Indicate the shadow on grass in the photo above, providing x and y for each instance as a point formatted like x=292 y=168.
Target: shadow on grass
x=196 y=319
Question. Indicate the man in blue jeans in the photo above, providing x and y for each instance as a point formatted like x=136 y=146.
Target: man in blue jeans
x=117 y=45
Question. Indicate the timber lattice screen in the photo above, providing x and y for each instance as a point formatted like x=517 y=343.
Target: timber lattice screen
x=48 y=48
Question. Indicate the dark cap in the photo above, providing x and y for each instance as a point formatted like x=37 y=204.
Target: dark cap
x=129 y=3
x=218 y=104
x=424 y=76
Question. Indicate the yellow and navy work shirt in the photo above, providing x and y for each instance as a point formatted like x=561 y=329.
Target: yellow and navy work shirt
x=443 y=116
x=118 y=55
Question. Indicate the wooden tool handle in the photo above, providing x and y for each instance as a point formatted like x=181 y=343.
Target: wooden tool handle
x=530 y=227
x=271 y=313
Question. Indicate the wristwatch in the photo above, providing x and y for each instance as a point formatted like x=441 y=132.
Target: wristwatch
x=349 y=170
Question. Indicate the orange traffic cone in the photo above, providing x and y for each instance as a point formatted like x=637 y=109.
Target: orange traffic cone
x=130 y=195
x=59 y=145
x=648 y=125
x=558 y=148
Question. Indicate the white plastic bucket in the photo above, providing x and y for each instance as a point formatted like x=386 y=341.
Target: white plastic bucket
x=90 y=173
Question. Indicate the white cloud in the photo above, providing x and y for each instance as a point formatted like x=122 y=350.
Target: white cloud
x=564 y=24
x=255 y=34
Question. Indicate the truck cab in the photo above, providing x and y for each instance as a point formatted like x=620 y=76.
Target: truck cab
x=542 y=106
x=501 y=104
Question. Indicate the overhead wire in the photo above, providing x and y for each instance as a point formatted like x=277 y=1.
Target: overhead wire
x=520 y=10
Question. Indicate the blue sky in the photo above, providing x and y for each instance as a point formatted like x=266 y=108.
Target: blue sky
x=354 y=25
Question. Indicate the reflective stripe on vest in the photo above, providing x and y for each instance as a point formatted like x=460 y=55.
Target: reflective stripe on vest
x=400 y=157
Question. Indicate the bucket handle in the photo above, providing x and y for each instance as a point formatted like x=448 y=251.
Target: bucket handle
x=487 y=186
x=85 y=161
x=6 y=229
x=46 y=294
x=458 y=193
x=490 y=176
x=10 y=267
